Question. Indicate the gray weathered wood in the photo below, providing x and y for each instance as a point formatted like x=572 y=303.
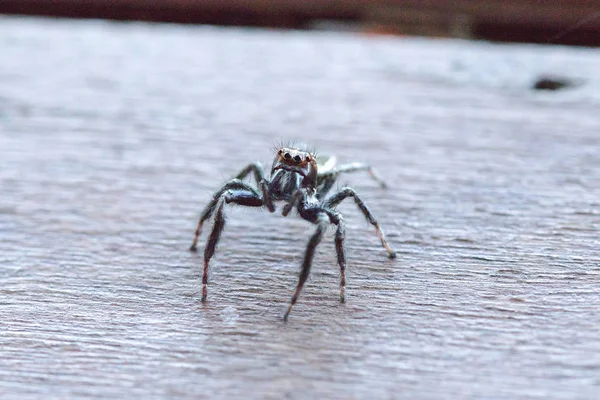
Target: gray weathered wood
x=113 y=137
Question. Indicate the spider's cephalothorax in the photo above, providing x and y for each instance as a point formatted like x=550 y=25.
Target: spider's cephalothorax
x=292 y=170
x=298 y=180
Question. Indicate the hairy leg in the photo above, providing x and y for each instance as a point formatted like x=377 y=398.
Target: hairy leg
x=259 y=176
x=340 y=236
x=353 y=167
x=256 y=168
x=241 y=197
x=337 y=198
x=327 y=180
x=211 y=245
x=322 y=222
x=234 y=184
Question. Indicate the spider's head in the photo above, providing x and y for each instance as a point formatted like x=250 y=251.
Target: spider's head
x=299 y=161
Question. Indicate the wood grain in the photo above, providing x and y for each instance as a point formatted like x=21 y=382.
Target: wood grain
x=113 y=137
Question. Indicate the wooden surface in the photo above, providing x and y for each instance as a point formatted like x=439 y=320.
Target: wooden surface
x=113 y=137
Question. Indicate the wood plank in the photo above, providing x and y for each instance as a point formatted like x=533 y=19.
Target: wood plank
x=113 y=137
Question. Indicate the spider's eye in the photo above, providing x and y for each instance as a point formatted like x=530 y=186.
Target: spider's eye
x=297 y=159
x=307 y=158
x=287 y=156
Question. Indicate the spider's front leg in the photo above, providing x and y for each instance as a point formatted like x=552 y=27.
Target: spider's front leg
x=234 y=184
x=321 y=219
x=337 y=198
x=212 y=205
x=241 y=197
x=340 y=237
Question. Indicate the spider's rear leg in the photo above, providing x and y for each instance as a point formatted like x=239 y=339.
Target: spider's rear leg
x=234 y=184
x=328 y=179
x=337 y=198
x=241 y=197
x=358 y=166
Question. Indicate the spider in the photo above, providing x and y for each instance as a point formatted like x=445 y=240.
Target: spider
x=298 y=181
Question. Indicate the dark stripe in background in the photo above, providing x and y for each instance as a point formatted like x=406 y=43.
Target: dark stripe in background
x=535 y=21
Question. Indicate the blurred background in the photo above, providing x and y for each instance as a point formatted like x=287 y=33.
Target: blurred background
x=574 y=22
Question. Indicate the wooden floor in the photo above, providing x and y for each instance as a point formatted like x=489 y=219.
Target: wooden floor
x=538 y=21
x=113 y=137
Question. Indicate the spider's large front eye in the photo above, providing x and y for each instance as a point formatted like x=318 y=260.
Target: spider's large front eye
x=297 y=159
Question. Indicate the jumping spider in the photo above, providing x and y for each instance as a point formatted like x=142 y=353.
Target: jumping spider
x=300 y=182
